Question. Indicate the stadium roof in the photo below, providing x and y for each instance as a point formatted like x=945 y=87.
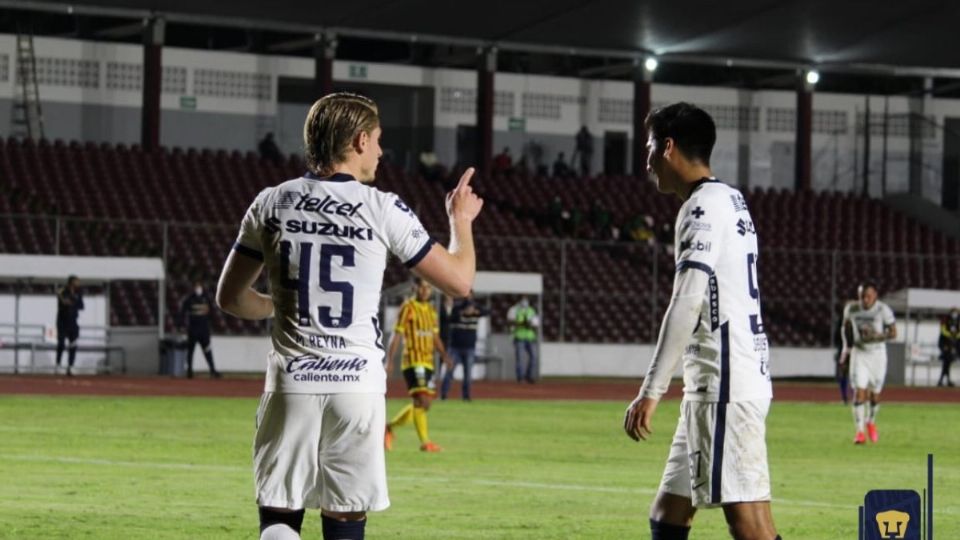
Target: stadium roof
x=880 y=37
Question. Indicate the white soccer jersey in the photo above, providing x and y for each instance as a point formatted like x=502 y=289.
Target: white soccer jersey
x=868 y=323
x=727 y=358
x=325 y=242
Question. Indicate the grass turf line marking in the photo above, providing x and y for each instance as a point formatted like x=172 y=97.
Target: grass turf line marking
x=401 y=478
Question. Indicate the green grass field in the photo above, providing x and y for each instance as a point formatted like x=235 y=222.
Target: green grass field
x=159 y=468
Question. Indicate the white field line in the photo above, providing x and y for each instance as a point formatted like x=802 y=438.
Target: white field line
x=413 y=479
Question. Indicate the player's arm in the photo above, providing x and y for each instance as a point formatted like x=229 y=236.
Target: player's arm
x=79 y=301
x=679 y=322
x=846 y=336
x=392 y=349
x=453 y=270
x=63 y=298
x=235 y=292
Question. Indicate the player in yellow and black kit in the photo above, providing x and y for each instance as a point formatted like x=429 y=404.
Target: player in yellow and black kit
x=418 y=329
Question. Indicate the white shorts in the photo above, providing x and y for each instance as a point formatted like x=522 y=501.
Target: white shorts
x=868 y=369
x=321 y=451
x=719 y=453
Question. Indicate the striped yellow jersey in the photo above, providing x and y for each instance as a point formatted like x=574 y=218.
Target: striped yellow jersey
x=417 y=323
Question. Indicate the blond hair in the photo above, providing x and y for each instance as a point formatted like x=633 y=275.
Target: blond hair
x=332 y=124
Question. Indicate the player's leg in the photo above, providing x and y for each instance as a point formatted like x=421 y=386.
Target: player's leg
x=860 y=377
x=518 y=356
x=352 y=465
x=280 y=523
x=744 y=474
x=285 y=452
x=204 y=340
x=72 y=337
x=191 y=344
x=343 y=525
x=750 y=521
x=532 y=365
x=672 y=511
x=61 y=344
x=420 y=408
x=878 y=374
x=469 y=356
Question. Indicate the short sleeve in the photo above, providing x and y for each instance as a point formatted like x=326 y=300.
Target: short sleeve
x=699 y=234
x=888 y=318
x=249 y=240
x=406 y=237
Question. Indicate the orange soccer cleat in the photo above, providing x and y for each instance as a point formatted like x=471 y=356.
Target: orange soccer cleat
x=430 y=447
x=872 y=432
x=860 y=438
x=388 y=439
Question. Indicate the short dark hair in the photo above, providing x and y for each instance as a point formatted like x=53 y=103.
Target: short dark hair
x=690 y=127
x=868 y=284
x=331 y=125
x=70 y=278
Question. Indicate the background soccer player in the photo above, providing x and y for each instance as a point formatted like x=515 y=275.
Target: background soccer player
x=719 y=455
x=195 y=314
x=324 y=239
x=418 y=331
x=867 y=325
x=69 y=304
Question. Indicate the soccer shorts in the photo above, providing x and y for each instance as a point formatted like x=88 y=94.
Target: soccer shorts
x=321 y=451
x=419 y=380
x=719 y=453
x=868 y=369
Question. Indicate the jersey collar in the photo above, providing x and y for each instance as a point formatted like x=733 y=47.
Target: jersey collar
x=335 y=177
x=702 y=181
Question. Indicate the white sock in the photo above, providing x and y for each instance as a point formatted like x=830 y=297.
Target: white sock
x=279 y=531
x=858 y=415
x=874 y=407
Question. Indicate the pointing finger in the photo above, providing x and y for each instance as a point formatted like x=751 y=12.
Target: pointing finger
x=465 y=179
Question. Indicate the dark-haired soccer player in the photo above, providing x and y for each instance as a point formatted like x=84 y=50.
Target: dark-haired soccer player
x=867 y=325
x=418 y=330
x=324 y=239
x=718 y=457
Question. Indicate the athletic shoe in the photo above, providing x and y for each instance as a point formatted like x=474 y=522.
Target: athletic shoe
x=860 y=438
x=430 y=447
x=388 y=439
x=872 y=431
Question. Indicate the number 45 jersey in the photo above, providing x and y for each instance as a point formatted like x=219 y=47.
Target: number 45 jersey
x=325 y=242
x=727 y=358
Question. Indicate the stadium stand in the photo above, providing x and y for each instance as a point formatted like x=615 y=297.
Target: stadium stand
x=201 y=195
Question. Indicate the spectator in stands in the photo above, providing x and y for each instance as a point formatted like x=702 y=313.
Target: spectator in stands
x=584 y=150
x=640 y=229
x=524 y=322
x=269 y=150
x=534 y=151
x=430 y=167
x=195 y=314
x=560 y=167
x=463 y=342
x=600 y=219
x=503 y=162
x=949 y=339
x=69 y=304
